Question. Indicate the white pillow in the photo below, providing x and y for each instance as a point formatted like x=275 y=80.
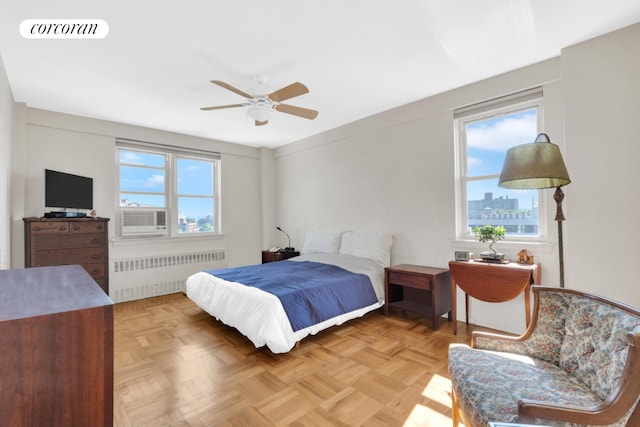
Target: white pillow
x=321 y=242
x=373 y=246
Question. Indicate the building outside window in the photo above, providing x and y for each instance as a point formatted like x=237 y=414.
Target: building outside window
x=165 y=191
x=484 y=133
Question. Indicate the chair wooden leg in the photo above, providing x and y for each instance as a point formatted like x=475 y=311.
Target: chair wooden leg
x=454 y=410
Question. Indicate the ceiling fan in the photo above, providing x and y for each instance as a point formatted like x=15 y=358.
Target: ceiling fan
x=263 y=104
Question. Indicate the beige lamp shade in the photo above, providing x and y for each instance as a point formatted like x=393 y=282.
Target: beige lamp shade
x=535 y=165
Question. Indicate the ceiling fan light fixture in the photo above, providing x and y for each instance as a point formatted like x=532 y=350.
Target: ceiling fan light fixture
x=260 y=113
x=261 y=106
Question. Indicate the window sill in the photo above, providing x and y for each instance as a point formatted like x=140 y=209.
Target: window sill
x=536 y=246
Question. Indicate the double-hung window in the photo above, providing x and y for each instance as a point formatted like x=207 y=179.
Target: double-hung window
x=167 y=191
x=483 y=133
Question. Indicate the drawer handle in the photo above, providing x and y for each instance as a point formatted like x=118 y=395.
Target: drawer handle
x=96 y=256
x=99 y=227
x=36 y=228
x=95 y=272
x=76 y=227
x=95 y=240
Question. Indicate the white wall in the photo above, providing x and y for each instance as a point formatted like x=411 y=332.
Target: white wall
x=395 y=172
x=6 y=127
x=268 y=197
x=87 y=147
x=602 y=90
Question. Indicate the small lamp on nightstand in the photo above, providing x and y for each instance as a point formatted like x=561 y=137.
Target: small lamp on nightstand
x=538 y=165
x=288 y=248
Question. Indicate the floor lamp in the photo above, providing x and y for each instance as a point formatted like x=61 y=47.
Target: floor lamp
x=535 y=166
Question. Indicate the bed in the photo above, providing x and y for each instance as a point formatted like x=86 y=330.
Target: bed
x=340 y=262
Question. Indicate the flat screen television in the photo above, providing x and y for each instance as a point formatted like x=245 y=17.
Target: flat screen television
x=67 y=191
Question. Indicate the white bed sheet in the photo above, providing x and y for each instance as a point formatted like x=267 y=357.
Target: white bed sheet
x=260 y=316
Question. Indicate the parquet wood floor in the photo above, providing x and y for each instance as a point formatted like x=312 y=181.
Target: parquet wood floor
x=177 y=366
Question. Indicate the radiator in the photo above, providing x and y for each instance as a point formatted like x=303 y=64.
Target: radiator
x=138 y=278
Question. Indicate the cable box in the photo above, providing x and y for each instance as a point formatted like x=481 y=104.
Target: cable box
x=60 y=214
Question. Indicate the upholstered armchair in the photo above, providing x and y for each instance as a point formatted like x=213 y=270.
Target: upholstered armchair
x=577 y=364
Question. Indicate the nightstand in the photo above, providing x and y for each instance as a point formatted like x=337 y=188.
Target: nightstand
x=424 y=290
x=268 y=256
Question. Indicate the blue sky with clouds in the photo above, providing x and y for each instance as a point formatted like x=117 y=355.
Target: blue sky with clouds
x=195 y=179
x=487 y=142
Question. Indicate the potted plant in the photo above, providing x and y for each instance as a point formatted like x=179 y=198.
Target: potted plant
x=489 y=233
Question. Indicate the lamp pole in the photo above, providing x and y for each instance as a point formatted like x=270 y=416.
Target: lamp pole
x=558 y=196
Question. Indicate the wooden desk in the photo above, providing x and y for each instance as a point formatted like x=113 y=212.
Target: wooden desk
x=492 y=282
x=419 y=289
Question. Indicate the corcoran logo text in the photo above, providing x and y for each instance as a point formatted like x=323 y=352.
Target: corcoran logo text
x=64 y=28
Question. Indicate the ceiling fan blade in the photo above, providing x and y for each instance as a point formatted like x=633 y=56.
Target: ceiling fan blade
x=220 y=107
x=288 y=92
x=297 y=111
x=231 y=88
x=261 y=123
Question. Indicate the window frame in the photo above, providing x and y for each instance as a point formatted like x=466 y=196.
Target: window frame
x=172 y=154
x=503 y=106
x=215 y=196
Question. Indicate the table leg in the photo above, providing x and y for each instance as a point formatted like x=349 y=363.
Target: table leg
x=466 y=307
x=527 y=305
x=386 y=294
x=454 y=308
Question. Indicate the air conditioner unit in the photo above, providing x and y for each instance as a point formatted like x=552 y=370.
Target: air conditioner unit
x=143 y=222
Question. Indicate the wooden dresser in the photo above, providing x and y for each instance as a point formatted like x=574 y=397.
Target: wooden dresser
x=66 y=241
x=56 y=336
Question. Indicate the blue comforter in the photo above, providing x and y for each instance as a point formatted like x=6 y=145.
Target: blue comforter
x=310 y=292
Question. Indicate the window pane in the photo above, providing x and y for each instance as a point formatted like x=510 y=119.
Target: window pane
x=139 y=158
x=142 y=180
x=489 y=139
x=141 y=200
x=195 y=177
x=195 y=215
x=515 y=210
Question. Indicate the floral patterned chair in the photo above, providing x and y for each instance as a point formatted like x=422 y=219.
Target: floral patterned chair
x=578 y=364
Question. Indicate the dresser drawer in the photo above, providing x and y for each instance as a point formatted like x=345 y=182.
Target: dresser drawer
x=70 y=241
x=87 y=227
x=96 y=271
x=41 y=258
x=53 y=227
x=409 y=280
x=101 y=281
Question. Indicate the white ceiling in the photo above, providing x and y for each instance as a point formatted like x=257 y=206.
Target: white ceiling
x=357 y=57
